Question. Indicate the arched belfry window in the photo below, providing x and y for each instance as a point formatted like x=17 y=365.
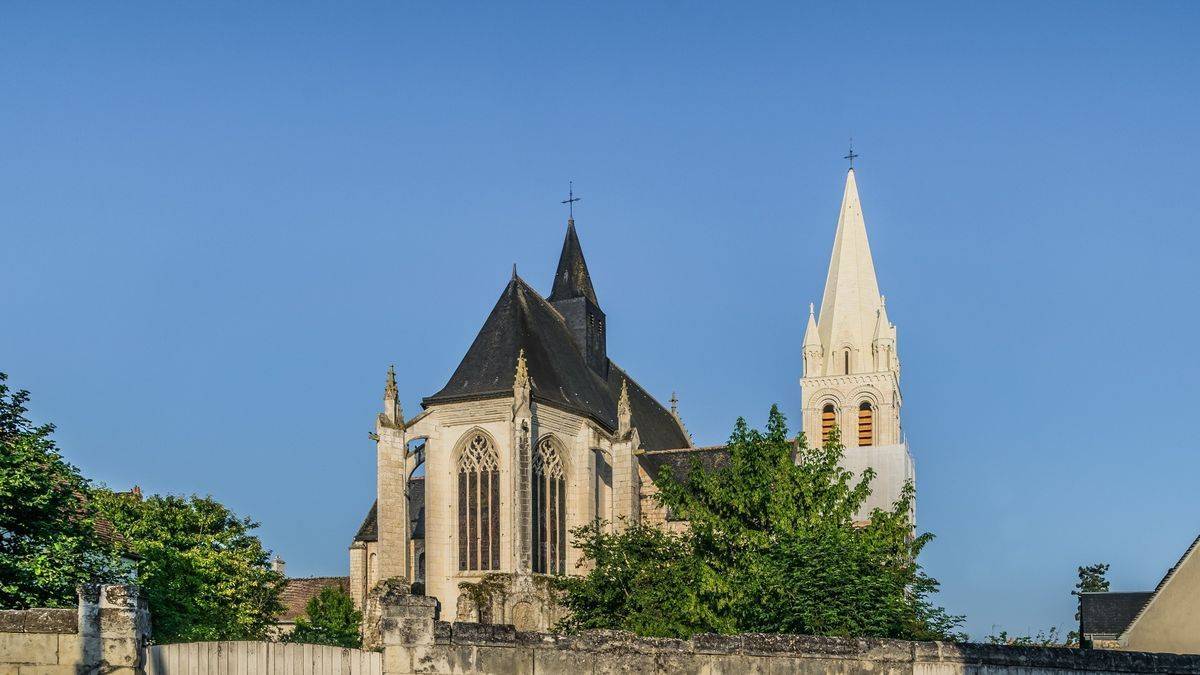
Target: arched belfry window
x=549 y=510
x=866 y=424
x=828 y=421
x=478 y=506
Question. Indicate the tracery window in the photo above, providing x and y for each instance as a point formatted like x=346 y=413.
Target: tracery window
x=478 y=506
x=549 y=510
x=828 y=421
x=866 y=424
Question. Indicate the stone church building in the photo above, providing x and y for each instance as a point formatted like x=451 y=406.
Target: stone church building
x=539 y=431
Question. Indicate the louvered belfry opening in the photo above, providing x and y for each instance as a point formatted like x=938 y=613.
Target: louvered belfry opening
x=549 y=510
x=866 y=424
x=478 y=506
x=828 y=421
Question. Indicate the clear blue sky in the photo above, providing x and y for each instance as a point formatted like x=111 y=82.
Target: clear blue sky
x=221 y=223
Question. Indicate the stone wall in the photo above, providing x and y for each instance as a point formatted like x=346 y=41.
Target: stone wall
x=107 y=633
x=415 y=643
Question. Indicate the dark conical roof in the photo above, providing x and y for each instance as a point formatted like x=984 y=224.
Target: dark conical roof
x=558 y=372
x=572 y=279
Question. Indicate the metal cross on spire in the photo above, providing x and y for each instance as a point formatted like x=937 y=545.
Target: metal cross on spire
x=850 y=155
x=570 y=201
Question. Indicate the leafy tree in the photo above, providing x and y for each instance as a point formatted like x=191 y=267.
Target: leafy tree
x=48 y=539
x=1092 y=579
x=330 y=619
x=772 y=547
x=644 y=580
x=206 y=576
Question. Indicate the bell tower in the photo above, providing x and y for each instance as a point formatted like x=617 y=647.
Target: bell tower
x=851 y=370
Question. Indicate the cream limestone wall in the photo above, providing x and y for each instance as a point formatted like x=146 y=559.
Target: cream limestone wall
x=445 y=429
x=105 y=634
x=1170 y=622
x=847 y=392
x=413 y=642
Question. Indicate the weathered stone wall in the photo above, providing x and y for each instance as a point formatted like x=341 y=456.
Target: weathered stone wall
x=107 y=633
x=415 y=643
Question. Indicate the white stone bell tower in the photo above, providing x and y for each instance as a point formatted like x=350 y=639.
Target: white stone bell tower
x=851 y=370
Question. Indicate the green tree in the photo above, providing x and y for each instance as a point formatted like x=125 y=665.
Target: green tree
x=206 y=576
x=330 y=619
x=48 y=539
x=1092 y=579
x=772 y=547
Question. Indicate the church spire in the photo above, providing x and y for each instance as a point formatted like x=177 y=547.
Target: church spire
x=811 y=336
x=393 y=414
x=575 y=301
x=572 y=279
x=814 y=353
x=851 y=299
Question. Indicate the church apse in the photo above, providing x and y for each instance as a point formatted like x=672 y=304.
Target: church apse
x=512 y=450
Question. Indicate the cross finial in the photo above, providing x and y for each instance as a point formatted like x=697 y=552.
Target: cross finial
x=570 y=201
x=674 y=404
x=851 y=155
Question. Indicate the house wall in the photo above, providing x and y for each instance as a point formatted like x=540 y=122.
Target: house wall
x=1170 y=622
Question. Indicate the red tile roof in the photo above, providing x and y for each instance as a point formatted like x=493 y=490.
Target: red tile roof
x=297 y=593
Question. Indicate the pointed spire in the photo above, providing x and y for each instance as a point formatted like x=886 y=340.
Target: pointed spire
x=393 y=414
x=572 y=279
x=851 y=298
x=679 y=420
x=521 y=379
x=389 y=390
x=624 y=413
x=883 y=327
x=521 y=387
x=811 y=338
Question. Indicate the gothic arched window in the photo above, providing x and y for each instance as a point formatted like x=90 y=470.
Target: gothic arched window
x=866 y=424
x=549 y=510
x=478 y=506
x=828 y=421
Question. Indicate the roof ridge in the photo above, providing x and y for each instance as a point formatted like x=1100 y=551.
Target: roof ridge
x=692 y=449
x=1162 y=584
x=317 y=577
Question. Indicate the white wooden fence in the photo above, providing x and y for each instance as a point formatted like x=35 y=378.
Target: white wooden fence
x=260 y=658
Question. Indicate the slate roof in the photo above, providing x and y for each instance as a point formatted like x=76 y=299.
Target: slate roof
x=1110 y=613
x=369 y=530
x=572 y=279
x=682 y=460
x=523 y=320
x=297 y=592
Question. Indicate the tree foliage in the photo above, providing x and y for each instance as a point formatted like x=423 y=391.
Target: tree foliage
x=1049 y=638
x=48 y=539
x=1092 y=579
x=772 y=547
x=330 y=619
x=206 y=576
